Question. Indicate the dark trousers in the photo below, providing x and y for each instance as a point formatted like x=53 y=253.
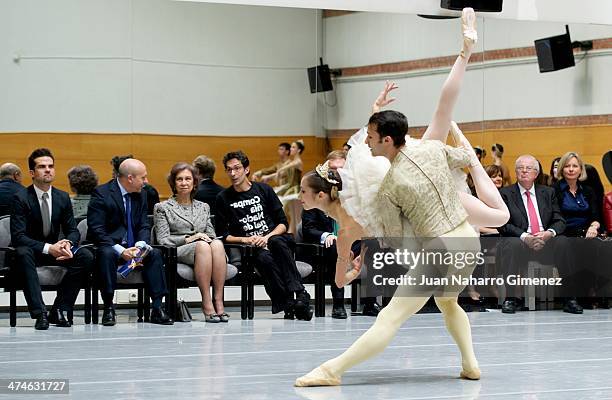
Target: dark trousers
x=152 y=271
x=280 y=275
x=77 y=269
x=513 y=255
x=330 y=254
x=369 y=291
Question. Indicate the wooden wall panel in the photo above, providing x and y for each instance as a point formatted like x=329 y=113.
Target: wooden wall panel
x=158 y=152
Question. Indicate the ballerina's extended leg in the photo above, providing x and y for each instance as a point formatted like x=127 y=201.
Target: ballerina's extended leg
x=374 y=341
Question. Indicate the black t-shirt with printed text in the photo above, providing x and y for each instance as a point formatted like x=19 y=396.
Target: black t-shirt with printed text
x=254 y=212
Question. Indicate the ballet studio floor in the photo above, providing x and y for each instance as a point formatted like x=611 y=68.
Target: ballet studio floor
x=529 y=355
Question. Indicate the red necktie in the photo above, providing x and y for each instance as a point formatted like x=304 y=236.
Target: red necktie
x=533 y=216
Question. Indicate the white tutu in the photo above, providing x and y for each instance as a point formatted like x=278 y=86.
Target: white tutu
x=361 y=176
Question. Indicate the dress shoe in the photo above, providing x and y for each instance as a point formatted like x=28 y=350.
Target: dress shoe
x=303 y=310
x=290 y=309
x=159 y=317
x=109 y=318
x=338 y=313
x=42 y=324
x=224 y=317
x=371 y=309
x=509 y=307
x=572 y=307
x=58 y=318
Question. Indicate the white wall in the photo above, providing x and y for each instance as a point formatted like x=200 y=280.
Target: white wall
x=157 y=66
x=492 y=90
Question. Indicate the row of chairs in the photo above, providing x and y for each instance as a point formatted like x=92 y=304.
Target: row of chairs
x=241 y=271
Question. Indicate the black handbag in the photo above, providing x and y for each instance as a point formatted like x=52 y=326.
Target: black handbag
x=182 y=312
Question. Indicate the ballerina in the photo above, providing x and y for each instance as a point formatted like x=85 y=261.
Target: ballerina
x=397 y=217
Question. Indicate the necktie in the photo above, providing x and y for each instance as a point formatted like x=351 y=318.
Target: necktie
x=128 y=216
x=335 y=225
x=533 y=216
x=46 y=215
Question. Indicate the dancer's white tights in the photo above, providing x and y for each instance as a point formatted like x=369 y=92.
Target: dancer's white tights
x=391 y=318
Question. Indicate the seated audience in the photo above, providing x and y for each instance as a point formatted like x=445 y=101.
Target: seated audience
x=116 y=221
x=496 y=175
x=594 y=182
x=40 y=213
x=250 y=213
x=581 y=209
x=208 y=189
x=83 y=180
x=532 y=231
x=184 y=223
x=497 y=151
x=10 y=183
x=554 y=166
x=543 y=177
x=578 y=203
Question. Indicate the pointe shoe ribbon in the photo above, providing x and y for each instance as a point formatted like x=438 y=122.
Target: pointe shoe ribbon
x=319 y=376
x=468 y=27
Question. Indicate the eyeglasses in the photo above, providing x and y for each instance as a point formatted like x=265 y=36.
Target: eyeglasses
x=528 y=169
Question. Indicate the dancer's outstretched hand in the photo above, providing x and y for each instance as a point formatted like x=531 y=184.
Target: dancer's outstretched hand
x=382 y=100
x=355 y=263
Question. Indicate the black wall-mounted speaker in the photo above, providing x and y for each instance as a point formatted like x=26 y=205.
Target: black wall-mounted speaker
x=319 y=79
x=477 y=5
x=555 y=52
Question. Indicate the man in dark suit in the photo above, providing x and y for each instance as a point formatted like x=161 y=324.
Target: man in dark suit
x=116 y=220
x=532 y=230
x=39 y=213
x=208 y=189
x=152 y=195
x=10 y=183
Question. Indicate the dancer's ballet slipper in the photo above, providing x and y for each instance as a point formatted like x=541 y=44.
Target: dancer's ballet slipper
x=462 y=141
x=472 y=375
x=319 y=376
x=468 y=27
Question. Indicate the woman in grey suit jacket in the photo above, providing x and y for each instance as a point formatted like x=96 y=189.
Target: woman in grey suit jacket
x=184 y=223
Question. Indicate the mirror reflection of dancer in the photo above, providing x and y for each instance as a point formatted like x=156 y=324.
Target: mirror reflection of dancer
x=414 y=195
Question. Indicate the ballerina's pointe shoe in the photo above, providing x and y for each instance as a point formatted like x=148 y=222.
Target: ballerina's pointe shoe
x=468 y=27
x=472 y=375
x=319 y=376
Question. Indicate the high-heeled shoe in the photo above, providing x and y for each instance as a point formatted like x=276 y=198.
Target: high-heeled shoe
x=468 y=28
x=224 y=317
x=213 y=318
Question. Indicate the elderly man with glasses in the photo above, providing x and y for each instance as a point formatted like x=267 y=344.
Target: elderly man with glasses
x=532 y=231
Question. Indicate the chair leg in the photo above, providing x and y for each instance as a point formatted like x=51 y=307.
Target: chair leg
x=13 y=307
x=354 y=296
x=88 y=304
x=94 y=305
x=147 y=305
x=140 y=304
x=244 y=298
x=251 y=301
